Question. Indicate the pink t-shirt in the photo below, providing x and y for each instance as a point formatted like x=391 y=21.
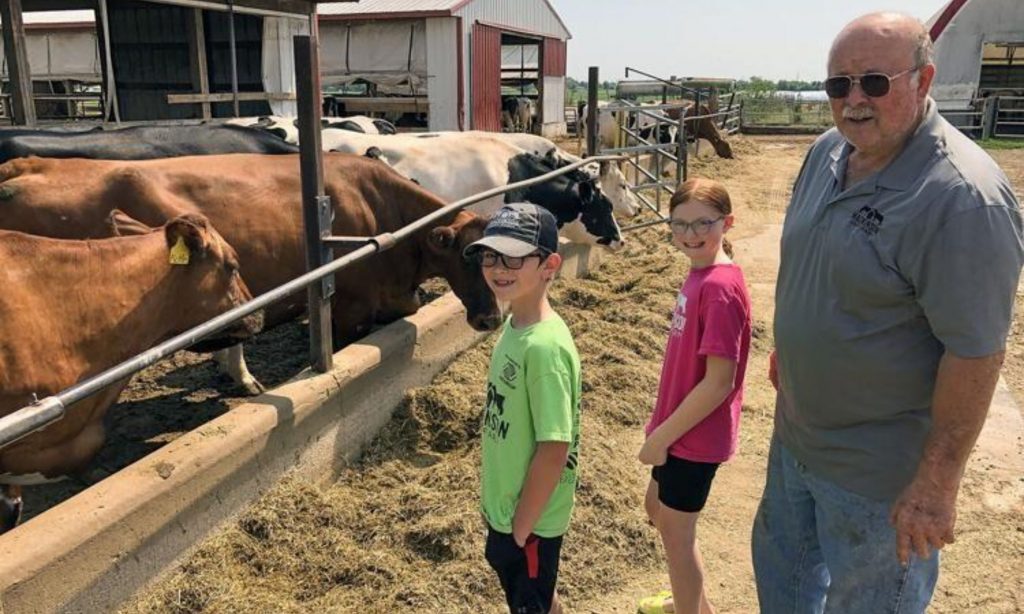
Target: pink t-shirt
x=711 y=318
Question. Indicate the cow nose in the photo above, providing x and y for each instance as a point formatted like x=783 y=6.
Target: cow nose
x=485 y=321
x=613 y=245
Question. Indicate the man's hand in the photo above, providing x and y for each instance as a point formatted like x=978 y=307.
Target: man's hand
x=924 y=517
x=654 y=451
x=773 y=370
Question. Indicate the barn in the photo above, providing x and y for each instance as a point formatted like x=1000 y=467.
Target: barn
x=65 y=65
x=157 y=60
x=445 y=63
x=979 y=50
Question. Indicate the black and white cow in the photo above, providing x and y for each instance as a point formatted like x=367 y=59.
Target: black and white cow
x=518 y=113
x=139 y=142
x=287 y=128
x=613 y=182
x=455 y=168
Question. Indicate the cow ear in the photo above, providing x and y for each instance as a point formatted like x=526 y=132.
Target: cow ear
x=602 y=168
x=124 y=225
x=442 y=238
x=188 y=232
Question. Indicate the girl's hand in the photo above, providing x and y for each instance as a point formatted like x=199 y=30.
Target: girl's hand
x=773 y=370
x=653 y=451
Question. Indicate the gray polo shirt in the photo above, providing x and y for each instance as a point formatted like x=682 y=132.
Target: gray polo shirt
x=876 y=282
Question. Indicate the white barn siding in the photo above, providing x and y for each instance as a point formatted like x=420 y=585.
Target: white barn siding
x=279 y=60
x=554 y=107
x=959 y=47
x=442 y=73
x=528 y=15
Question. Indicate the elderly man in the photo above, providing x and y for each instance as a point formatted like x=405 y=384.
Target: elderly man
x=901 y=253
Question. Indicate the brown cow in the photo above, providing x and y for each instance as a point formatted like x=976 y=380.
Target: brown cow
x=71 y=309
x=255 y=202
x=705 y=128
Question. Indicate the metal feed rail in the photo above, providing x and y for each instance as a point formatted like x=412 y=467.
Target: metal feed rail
x=46 y=411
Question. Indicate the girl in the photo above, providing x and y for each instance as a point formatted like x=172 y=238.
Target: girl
x=696 y=417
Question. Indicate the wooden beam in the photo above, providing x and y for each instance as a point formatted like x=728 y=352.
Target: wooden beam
x=197 y=59
x=226 y=97
x=23 y=108
x=382 y=104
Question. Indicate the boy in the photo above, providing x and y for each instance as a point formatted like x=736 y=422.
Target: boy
x=531 y=419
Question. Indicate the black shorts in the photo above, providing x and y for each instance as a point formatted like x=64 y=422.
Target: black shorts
x=684 y=485
x=527 y=575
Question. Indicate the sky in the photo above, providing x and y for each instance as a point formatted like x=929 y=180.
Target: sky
x=779 y=39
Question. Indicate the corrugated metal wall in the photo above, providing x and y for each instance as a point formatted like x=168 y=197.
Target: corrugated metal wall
x=485 y=66
x=528 y=15
x=554 y=58
x=150 y=53
x=958 y=49
x=442 y=68
x=554 y=107
x=533 y=16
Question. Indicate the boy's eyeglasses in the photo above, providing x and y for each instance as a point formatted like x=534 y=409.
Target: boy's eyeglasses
x=699 y=227
x=873 y=84
x=488 y=258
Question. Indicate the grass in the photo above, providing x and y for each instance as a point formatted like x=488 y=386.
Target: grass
x=1000 y=144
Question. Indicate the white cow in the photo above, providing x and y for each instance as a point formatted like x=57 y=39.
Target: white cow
x=613 y=182
x=457 y=167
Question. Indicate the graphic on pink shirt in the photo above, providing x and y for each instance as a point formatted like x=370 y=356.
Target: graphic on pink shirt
x=711 y=318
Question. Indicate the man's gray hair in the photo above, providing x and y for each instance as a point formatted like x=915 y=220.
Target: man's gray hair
x=924 y=51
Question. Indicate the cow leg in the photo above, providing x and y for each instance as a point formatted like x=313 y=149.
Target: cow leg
x=11 y=506
x=232 y=363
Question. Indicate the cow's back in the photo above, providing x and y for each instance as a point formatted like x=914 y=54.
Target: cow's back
x=142 y=143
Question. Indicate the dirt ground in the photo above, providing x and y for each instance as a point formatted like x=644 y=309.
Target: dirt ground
x=400 y=532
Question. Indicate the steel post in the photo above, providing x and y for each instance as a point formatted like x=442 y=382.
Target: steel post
x=316 y=207
x=592 y=123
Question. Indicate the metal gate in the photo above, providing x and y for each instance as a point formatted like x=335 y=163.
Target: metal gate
x=652 y=139
x=1009 y=117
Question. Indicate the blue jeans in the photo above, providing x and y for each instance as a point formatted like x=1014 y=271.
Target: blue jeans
x=819 y=548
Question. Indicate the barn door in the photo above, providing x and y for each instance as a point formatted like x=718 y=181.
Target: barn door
x=486 y=87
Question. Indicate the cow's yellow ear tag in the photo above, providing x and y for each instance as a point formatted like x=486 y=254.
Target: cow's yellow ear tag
x=179 y=253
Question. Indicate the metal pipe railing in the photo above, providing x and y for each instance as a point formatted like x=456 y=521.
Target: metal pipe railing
x=46 y=411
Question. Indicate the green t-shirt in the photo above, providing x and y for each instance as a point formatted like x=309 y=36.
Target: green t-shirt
x=533 y=395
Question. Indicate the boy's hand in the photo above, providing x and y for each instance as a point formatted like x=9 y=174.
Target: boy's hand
x=520 y=535
x=653 y=452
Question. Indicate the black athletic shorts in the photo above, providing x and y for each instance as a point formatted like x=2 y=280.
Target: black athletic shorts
x=527 y=575
x=684 y=485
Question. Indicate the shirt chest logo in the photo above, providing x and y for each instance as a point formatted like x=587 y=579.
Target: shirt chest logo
x=868 y=220
x=510 y=372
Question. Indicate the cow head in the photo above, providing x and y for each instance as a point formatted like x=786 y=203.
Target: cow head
x=446 y=244
x=206 y=266
x=582 y=210
x=616 y=188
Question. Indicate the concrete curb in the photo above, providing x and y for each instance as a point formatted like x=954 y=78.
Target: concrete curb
x=95 y=550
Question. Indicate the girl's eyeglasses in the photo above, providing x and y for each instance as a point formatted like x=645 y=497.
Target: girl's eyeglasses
x=699 y=227
x=488 y=258
x=873 y=84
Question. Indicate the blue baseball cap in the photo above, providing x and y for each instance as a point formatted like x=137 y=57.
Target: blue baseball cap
x=519 y=229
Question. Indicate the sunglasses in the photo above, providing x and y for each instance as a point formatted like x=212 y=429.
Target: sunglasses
x=699 y=227
x=873 y=84
x=488 y=258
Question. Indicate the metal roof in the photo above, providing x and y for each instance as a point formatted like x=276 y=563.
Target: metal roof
x=375 y=7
